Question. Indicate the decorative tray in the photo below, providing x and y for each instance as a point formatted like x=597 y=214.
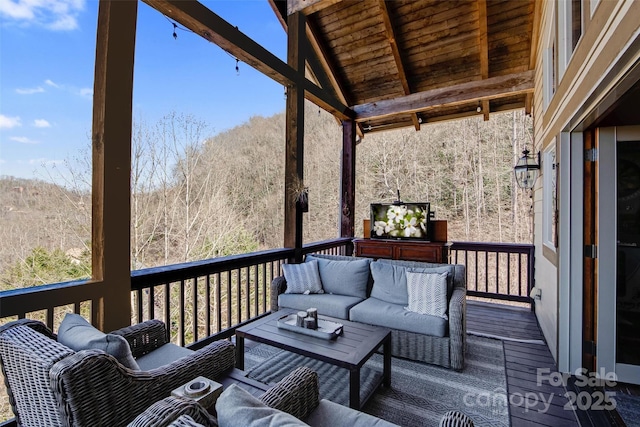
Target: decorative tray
x=327 y=329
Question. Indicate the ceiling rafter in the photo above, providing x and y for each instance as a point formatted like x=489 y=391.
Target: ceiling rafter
x=395 y=50
x=483 y=47
x=474 y=91
x=327 y=67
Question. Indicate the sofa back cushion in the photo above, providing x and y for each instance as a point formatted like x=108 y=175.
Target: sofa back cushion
x=456 y=277
x=343 y=275
x=390 y=280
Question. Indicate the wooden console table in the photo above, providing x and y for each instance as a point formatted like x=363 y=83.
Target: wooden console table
x=410 y=250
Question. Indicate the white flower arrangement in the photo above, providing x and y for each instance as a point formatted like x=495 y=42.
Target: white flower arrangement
x=400 y=221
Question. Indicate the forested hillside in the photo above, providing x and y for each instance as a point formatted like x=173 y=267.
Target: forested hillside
x=196 y=196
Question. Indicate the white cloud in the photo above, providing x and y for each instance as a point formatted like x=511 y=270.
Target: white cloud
x=23 y=140
x=9 y=122
x=88 y=92
x=56 y=15
x=29 y=91
x=41 y=123
x=49 y=82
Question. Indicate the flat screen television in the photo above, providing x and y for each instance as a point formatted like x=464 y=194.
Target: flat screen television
x=400 y=220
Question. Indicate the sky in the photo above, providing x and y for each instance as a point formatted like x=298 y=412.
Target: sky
x=47 y=56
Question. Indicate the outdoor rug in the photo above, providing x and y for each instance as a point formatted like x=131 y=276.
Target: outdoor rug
x=420 y=394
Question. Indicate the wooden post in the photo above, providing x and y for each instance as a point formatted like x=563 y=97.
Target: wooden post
x=348 y=179
x=294 y=153
x=111 y=140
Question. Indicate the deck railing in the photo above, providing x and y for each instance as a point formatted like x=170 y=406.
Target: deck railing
x=197 y=300
x=503 y=271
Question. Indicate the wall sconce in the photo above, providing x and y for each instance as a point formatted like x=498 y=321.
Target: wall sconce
x=526 y=170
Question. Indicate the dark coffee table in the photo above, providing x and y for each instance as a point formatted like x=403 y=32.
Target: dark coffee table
x=350 y=350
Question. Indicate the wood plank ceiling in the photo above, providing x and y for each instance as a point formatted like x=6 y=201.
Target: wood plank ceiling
x=408 y=62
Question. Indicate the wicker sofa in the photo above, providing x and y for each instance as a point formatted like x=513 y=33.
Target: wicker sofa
x=413 y=336
x=294 y=401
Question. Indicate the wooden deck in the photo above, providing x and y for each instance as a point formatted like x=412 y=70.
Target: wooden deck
x=526 y=352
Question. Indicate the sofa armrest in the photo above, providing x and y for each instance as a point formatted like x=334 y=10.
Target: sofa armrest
x=278 y=286
x=144 y=337
x=457 y=327
x=296 y=394
x=168 y=410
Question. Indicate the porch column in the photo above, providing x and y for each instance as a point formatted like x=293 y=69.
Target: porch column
x=294 y=153
x=111 y=141
x=348 y=179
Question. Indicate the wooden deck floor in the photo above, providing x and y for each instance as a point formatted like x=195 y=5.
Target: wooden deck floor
x=525 y=352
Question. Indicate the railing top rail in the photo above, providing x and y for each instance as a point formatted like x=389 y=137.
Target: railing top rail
x=493 y=247
x=36 y=297
x=172 y=273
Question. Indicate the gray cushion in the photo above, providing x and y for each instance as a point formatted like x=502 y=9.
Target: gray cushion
x=302 y=278
x=327 y=304
x=162 y=355
x=390 y=279
x=78 y=334
x=381 y=313
x=238 y=408
x=456 y=272
x=427 y=293
x=344 y=277
x=332 y=414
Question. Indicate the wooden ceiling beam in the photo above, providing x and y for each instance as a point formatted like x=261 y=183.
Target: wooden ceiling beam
x=202 y=21
x=307 y=7
x=474 y=91
x=483 y=48
x=391 y=37
x=533 y=57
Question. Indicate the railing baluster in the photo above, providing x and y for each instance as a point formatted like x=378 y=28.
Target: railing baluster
x=207 y=330
x=194 y=311
x=486 y=271
x=519 y=274
x=152 y=302
x=247 y=290
x=265 y=281
x=182 y=316
x=256 y=292
x=508 y=274
x=219 y=302
x=167 y=307
x=139 y=302
x=229 y=299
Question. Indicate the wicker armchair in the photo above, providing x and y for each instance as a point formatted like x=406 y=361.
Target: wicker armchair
x=51 y=385
x=296 y=394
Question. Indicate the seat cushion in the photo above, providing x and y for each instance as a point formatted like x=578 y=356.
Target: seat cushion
x=78 y=334
x=303 y=278
x=381 y=313
x=238 y=408
x=344 y=277
x=161 y=356
x=332 y=414
x=327 y=304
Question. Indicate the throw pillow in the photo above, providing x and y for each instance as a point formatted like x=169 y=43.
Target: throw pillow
x=426 y=267
x=303 y=278
x=344 y=276
x=236 y=407
x=78 y=334
x=427 y=293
